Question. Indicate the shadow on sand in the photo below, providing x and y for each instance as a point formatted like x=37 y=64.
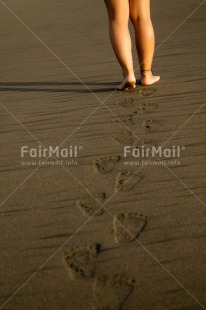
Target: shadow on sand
x=87 y=87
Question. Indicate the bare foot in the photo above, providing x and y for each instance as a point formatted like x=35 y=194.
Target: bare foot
x=129 y=83
x=148 y=78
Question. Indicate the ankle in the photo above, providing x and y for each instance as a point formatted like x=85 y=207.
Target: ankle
x=146 y=71
x=129 y=75
x=126 y=71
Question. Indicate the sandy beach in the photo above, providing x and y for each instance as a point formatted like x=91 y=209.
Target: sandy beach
x=95 y=229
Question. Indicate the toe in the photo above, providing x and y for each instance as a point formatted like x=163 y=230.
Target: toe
x=157 y=78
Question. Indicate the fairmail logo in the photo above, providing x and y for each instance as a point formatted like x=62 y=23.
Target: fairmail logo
x=153 y=151
x=50 y=151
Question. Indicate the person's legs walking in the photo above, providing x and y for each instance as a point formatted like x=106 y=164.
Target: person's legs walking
x=145 y=39
x=118 y=12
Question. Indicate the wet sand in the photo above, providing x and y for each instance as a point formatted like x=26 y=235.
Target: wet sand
x=60 y=248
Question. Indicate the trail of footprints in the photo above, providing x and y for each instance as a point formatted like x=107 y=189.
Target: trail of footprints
x=111 y=292
x=142 y=92
x=127 y=121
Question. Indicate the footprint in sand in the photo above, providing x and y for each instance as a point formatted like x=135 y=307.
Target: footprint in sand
x=145 y=92
x=125 y=119
x=147 y=143
x=80 y=261
x=127 y=103
x=152 y=124
x=126 y=180
x=124 y=138
x=128 y=226
x=105 y=164
x=111 y=292
x=146 y=107
x=90 y=206
x=145 y=147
